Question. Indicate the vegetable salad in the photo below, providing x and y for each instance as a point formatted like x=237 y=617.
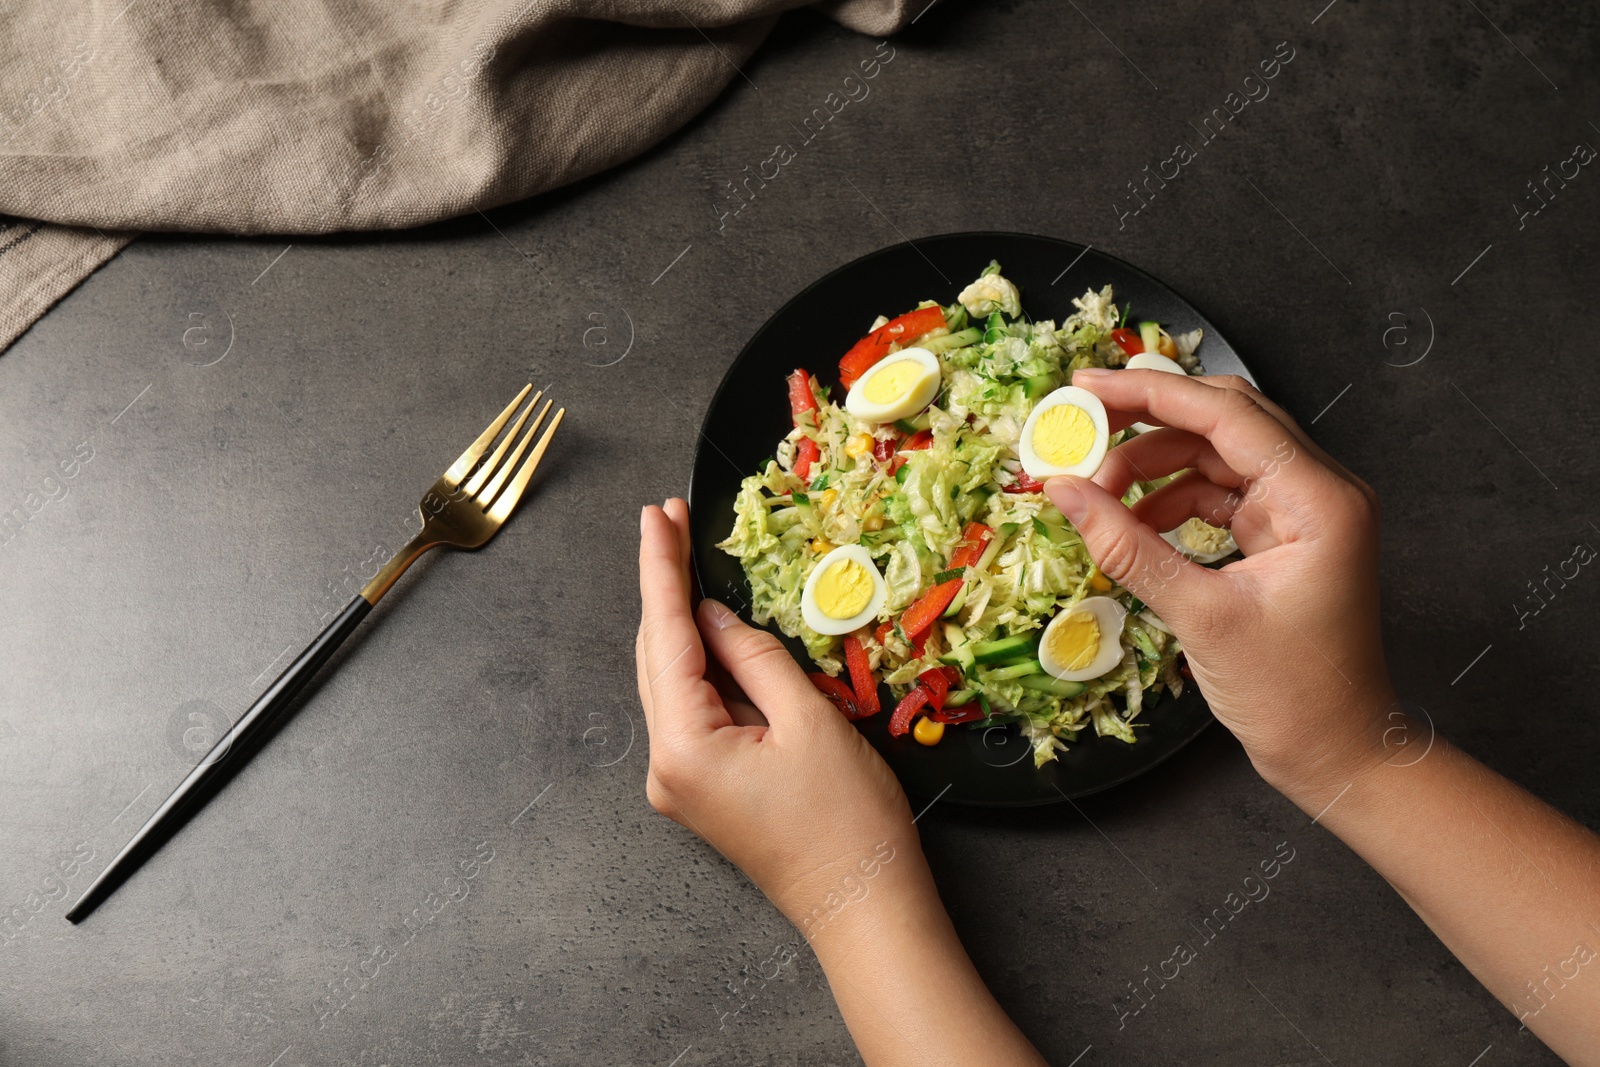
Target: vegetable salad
x=957 y=562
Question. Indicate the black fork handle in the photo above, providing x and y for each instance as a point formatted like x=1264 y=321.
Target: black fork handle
x=230 y=753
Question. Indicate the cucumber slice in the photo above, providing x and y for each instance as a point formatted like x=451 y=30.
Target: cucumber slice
x=960 y=654
x=959 y=602
x=1038 y=385
x=808 y=514
x=1056 y=687
x=949 y=342
x=1051 y=531
x=960 y=697
x=1005 y=648
x=1150 y=334
x=1020 y=669
x=959 y=657
x=994 y=329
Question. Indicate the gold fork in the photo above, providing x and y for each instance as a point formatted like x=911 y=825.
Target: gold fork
x=467 y=515
x=464 y=509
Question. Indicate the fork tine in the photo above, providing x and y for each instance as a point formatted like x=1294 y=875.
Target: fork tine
x=486 y=497
x=468 y=459
x=508 y=500
x=488 y=466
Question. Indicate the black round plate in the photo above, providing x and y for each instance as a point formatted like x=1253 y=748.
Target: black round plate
x=750 y=414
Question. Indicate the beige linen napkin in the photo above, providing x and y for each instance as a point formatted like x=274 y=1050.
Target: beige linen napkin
x=309 y=116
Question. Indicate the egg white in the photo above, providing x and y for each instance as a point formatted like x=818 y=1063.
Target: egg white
x=812 y=612
x=1081 y=398
x=1152 y=361
x=918 y=396
x=1108 y=614
x=1172 y=538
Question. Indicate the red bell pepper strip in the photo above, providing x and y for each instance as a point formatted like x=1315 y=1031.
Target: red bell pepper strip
x=838 y=692
x=906 y=710
x=971 y=712
x=801 y=398
x=806 y=453
x=932 y=686
x=1025 y=483
x=974 y=539
x=802 y=403
x=921 y=615
x=883 y=451
x=855 y=656
x=875 y=345
x=883 y=632
x=937 y=679
x=1130 y=340
x=918 y=441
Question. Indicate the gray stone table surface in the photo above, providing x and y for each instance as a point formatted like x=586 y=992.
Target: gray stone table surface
x=247 y=422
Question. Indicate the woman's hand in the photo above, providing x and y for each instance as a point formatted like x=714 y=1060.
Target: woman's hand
x=743 y=749
x=1284 y=643
x=1286 y=646
x=746 y=753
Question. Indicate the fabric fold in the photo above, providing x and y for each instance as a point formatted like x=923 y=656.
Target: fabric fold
x=262 y=116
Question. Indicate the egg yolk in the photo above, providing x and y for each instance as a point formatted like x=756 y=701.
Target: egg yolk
x=1075 y=640
x=844 y=590
x=894 y=381
x=1201 y=536
x=1063 y=435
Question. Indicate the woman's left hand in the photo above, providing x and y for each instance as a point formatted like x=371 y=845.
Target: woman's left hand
x=745 y=751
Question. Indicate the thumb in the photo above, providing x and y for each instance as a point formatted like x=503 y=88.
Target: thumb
x=761 y=666
x=1126 y=550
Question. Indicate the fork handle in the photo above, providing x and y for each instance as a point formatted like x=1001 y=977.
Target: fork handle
x=390 y=572
x=230 y=753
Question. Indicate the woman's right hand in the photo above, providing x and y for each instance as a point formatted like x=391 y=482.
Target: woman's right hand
x=1284 y=643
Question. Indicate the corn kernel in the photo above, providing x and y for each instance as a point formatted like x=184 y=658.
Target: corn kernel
x=928 y=732
x=828 y=497
x=858 y=444
x=873 y=521
x=821 y=547
x=1098 y=581
x=1167 y=347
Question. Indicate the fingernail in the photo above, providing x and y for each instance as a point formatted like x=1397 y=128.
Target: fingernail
x=1068 y=498
x=642 y=513
x=1092 y=372
x=721 y=616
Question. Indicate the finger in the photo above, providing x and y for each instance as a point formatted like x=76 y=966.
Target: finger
x=1117 y=421
x=677 y=510
x=1235 y=382
x=763 y=668
x=1127 y=551
x=1159 y=453
x=1240 y=384
x=1250 y=441
x=1189 y=496
x=643 y=680
x=674 y=658
x=740 y=709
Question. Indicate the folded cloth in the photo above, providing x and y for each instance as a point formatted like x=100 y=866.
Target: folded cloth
x=264 y=116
